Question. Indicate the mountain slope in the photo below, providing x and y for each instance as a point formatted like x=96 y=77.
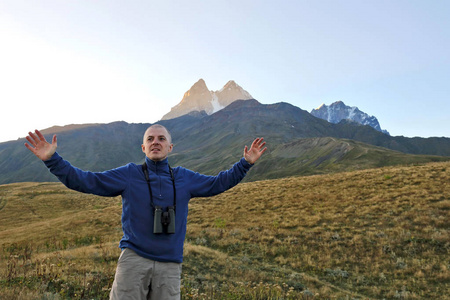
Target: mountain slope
x=211 y=143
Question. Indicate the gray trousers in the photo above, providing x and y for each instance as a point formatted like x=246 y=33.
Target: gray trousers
x=141 y=278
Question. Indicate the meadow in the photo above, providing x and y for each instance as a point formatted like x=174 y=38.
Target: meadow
x=370 y=234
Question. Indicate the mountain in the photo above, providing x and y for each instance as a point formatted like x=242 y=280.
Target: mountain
x=338 y=112
x=200 y=98
x=299 y=144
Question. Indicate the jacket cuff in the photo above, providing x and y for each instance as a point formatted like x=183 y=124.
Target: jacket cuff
x=245 y=163
x=52 y=160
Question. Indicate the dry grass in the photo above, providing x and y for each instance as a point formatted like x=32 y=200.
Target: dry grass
x=378 y=234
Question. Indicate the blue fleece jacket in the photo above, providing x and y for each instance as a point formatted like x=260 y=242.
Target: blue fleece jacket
x=137 y=213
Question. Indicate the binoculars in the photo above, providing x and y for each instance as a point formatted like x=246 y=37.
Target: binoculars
x=164 y=221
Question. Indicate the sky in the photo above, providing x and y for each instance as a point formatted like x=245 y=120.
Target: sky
x=79 y=61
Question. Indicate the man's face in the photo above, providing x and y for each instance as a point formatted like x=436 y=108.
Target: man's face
x=156 y=144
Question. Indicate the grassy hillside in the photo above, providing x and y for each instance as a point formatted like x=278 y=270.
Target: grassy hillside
x=311 y=156
x=379 y=234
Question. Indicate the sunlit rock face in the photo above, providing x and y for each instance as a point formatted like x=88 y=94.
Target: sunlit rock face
x=200 y=98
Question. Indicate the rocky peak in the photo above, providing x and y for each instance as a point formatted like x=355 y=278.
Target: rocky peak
x=232 y=92
x=338 y=111
x=200 y=98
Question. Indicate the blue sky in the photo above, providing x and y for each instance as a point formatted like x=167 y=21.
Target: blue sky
x=66 y=62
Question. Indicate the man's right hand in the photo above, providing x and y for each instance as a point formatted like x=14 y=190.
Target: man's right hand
x=39 y=145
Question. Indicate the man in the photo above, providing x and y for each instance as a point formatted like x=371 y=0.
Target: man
x=154 y=208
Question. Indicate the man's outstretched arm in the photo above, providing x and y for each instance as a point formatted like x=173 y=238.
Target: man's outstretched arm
x=39 y=145
x=205 y=186
x=107 y=183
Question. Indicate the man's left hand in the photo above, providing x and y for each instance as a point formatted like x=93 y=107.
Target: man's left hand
x=256 y=150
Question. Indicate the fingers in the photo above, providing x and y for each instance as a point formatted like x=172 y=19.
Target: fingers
x=40 y=135
x=258 y=143
x=263 y=150
x=30 y=140
x=35 y=138
x=32 y=149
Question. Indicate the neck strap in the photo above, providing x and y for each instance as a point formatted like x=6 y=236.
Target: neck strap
x=147 y=178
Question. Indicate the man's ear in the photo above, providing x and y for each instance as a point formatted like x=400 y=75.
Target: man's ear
x=170 y=148
x=143 y=148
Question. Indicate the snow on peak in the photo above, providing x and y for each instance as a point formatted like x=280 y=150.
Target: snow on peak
x=216 y=106
x=338 y=111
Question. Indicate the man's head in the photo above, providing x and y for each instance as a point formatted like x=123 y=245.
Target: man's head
x=157 y=142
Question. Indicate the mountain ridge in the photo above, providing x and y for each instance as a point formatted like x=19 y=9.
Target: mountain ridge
x=211 y=143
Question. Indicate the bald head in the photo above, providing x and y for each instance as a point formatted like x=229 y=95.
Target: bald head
x=161 y=127
x=157 y=142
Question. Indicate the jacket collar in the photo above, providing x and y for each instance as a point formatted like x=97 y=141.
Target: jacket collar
x=157 y=166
